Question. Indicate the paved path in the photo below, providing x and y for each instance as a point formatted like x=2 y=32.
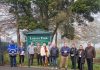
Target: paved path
x=27 y=68
x=23 y=68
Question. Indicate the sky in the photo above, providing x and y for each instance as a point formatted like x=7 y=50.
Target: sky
x=96 y=16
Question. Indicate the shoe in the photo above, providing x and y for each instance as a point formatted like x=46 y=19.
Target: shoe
x=65 y=68
x=11 y=66
x=15 y=65
x=48 y=64
x=56 y=68
x=59 y=68
x=20 y=65
x=52 y=68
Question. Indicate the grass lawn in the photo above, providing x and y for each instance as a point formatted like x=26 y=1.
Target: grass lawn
x=6 y=60
x=97 y=53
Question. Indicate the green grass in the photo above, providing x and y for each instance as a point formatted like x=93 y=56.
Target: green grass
x=97 y=53
x=6 y=60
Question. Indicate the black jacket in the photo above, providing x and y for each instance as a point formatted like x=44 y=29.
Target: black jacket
x=73 y=52
x=82 y=55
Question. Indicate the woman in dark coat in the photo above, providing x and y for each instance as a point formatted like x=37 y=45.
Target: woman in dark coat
x=81 y=58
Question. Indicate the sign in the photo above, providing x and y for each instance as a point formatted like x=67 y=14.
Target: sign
x=38 y=39
x=38 y=36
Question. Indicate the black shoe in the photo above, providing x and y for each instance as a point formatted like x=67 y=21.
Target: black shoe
x=65 y=68
x=15 y=65
x=72 y=68
x=11 y=66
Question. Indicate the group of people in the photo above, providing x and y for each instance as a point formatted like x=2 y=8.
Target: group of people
x=79 y=56
x=48 y=55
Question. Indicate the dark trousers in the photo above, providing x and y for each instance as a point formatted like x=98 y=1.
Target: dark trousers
x=73 y=60
x=1 y=59
x=13 y=61
x=90 y=63
x=50 y=60
x=30 y=59
x=54 y=61
x=43 y=60
x=39 y=59
x=21 y=59
x=80 y=64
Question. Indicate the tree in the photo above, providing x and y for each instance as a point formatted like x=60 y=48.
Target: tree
x=78 y=11
x=21 y=10
x=54 y=14
x=85 y=8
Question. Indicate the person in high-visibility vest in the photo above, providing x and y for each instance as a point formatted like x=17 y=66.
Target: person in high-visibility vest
x=12 y=50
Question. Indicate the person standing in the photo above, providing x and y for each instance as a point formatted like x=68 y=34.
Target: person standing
x=44 y=54
x=81 y=58
x=30 y=54
x=73 y=55
x=65 y=50
x=12 y=50
x=49 y=57
x=21 y=51
x=38 y=54
x=90 y=54
x=54 y=55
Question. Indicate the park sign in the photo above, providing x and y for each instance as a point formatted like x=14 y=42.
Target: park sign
x=38 y=36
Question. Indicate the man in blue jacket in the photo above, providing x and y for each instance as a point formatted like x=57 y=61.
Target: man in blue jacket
x=65 y=50
x=12 y=50
x=54 y=55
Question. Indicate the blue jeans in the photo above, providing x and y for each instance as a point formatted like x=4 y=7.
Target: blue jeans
x=13 y=61
x=50 y=60
x=54 y=60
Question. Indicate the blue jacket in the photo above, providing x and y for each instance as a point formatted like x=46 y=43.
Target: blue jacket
x=12 y=49
x=54 y=51
x=65 y=51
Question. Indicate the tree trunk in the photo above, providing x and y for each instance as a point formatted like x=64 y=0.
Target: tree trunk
x=54 y=32
x=18 y=31
x=41 y=15
x=18 y=37
x=46 y=16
